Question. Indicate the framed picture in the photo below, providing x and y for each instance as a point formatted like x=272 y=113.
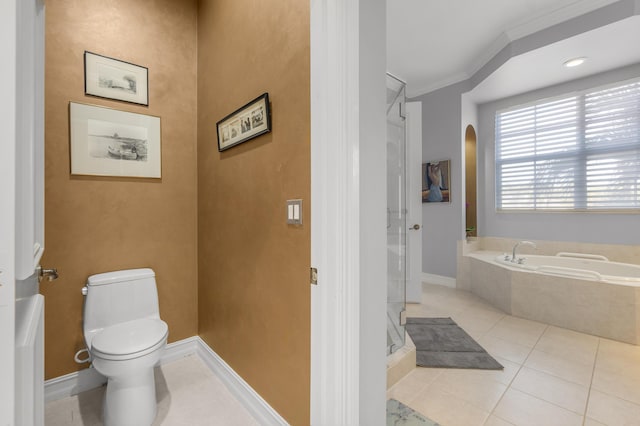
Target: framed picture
x=108 y=142
x=248 y=122
x=436 y=181
x=113 y=79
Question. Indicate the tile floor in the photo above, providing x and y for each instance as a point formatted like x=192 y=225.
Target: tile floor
x=188 y=394
x=552 y=376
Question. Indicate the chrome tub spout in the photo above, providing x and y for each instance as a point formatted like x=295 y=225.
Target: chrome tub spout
x=514 y=259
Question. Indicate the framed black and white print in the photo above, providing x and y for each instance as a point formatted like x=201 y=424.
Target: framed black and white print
x=108 y=142
x=113 y=79
x=247 y=122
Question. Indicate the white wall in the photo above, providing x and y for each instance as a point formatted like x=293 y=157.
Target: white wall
x=577 y=227
x=373 y=229
x=348 y=232
x=469 y=117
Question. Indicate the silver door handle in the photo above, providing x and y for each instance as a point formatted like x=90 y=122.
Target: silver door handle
x=50 y=274
x=415 y=227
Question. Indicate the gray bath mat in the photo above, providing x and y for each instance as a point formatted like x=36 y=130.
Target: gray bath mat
x=399 y=414
x=441 y=343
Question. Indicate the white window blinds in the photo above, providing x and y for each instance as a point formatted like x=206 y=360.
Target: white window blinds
x=577 y=152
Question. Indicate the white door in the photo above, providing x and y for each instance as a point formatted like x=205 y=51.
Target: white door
x=414 y=201
x=7 y=208
x=29 y=137
x=21 y=211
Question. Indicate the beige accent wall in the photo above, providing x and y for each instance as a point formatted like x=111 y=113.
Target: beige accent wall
x=254 y=292
x=98 y=224
x=470 y=152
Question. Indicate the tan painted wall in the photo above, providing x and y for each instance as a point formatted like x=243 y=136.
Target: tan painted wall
x=254 y=292
x=471 y=181
x=97 y=224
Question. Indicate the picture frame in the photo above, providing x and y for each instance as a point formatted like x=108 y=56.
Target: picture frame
x=111 y=78
x=245 y=123
x=436 y=181
x=109 y=142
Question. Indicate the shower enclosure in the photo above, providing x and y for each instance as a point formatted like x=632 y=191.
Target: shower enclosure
x=396 y=214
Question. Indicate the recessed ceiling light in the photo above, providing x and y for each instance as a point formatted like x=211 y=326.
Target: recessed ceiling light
x=574 y=62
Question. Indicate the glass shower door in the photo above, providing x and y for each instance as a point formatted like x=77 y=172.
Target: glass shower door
x=396 y=214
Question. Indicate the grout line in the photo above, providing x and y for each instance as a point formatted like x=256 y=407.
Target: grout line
x=537 y=397
x=522 y=364
x=593 y=373
x=518 y=372
x=495 y=324
x=549 y=402
x=553 y=374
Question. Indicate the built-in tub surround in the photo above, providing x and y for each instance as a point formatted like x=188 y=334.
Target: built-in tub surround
x=573 y=265
x=600 y=302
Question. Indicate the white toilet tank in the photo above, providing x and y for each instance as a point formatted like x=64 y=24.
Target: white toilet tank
x=115 y=297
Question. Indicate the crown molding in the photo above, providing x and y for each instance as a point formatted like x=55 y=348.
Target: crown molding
x=414 y=92
x=532 y=25
x=519 y=30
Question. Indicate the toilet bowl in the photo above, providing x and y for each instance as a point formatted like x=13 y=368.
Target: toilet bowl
x=125 y=338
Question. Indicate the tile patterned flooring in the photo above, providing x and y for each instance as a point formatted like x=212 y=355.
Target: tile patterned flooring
x=188 y=394
x=552 y=376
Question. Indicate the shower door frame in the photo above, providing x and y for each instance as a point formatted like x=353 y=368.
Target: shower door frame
x=397 y=215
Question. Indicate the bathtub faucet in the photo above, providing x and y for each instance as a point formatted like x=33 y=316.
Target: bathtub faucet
x=528 y=243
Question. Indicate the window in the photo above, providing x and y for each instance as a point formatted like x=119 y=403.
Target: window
x=579 y=152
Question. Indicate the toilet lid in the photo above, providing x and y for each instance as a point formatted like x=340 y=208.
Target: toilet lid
x=130 y=337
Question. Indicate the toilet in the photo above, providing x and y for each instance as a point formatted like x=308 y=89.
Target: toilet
x=125 y=338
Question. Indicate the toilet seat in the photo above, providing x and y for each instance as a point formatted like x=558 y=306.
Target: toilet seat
x=131 y=339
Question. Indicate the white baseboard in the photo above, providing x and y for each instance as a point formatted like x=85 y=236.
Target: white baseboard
x=72 y=384
x=87 y=379
x=180 y=349
x=252 y=401
x=438 y=280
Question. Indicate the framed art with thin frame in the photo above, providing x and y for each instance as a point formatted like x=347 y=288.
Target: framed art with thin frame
x=436 y=181
x=114 y=79
x=108 y=142
x=247 y=122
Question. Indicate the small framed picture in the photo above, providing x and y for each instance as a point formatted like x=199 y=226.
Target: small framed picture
x=108 y=142
x=113 y=79
x=436 y=181
x=248 y=122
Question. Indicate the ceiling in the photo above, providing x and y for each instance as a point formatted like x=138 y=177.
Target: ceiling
x=435 y=43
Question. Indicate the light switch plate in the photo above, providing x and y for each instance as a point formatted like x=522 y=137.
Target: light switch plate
x=294 y=212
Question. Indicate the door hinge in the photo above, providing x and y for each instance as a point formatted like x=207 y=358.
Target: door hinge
x=314 y=276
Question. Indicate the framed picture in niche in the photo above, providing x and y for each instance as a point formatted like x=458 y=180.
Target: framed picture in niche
x=436 y=181
x=247 y=122
x=108 y=142
x=113 y=79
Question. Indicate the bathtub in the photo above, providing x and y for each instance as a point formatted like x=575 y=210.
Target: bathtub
x=586 y=293
x=577 y=265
